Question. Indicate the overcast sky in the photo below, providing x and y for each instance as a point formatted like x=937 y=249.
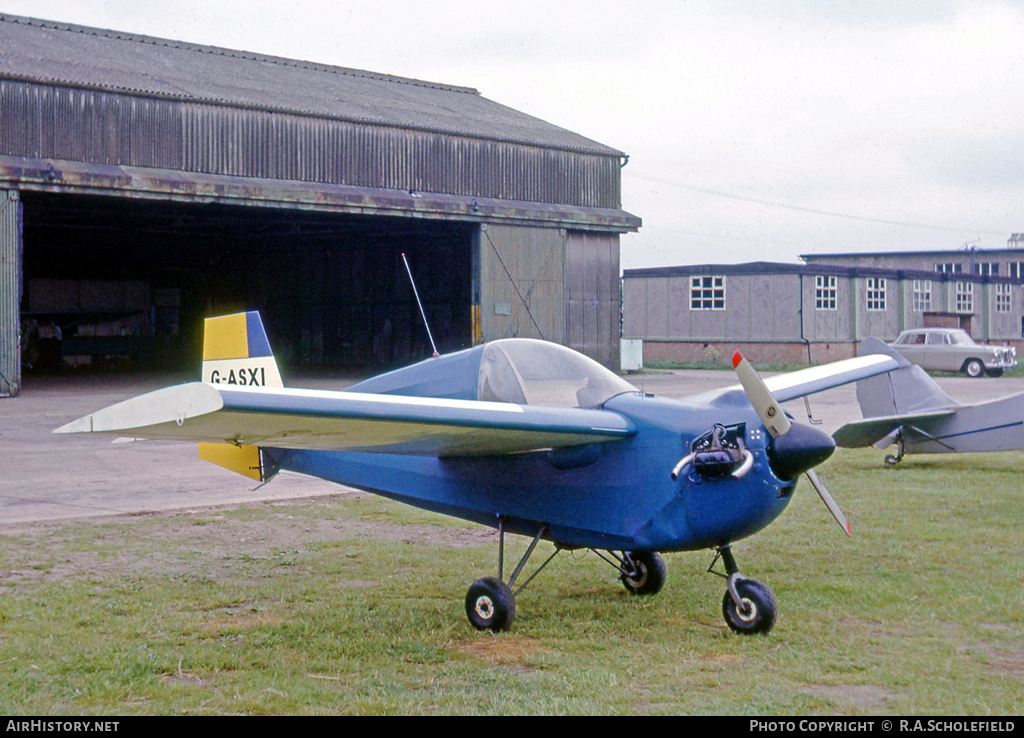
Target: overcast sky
x=755 y=130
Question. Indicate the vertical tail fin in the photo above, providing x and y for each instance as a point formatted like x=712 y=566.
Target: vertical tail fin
x=236 y=352
x=904 y=391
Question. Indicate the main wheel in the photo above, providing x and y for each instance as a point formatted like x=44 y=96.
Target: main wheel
x=757 y=610
x=974 y=368
x=490 y=605
x=644 y=573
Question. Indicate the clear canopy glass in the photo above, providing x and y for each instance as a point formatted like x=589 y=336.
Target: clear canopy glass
x=530 y=372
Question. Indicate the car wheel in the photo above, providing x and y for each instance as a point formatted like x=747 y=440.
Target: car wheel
x=974 y=368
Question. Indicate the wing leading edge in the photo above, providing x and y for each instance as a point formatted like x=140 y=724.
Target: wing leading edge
x=351 y=421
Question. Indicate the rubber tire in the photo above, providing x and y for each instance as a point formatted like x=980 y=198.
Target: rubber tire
x=974 y=368
x=765 y=608
x=651 y=575
x=490 y=605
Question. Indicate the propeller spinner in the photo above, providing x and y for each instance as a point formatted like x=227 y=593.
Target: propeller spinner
x=795 y=448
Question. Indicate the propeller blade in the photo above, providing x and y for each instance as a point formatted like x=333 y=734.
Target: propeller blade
x=805 y=451
x=768 y=409
x=830 y=503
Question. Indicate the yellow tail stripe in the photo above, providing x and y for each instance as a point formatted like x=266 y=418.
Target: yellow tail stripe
x=244 y=460
x=226 y=337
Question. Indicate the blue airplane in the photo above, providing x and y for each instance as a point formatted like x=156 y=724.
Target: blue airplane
x=521 y=435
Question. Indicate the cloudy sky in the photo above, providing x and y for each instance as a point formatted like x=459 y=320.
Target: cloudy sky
x=756 y=130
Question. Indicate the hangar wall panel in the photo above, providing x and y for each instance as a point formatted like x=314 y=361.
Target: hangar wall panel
x=10 y=293
x=51 y=121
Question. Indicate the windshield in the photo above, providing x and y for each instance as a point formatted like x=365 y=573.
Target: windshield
x=531 y=372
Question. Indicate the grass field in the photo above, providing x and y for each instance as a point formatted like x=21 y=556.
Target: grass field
x=353 y=605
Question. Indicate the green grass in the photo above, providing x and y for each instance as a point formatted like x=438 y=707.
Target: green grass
x=353 y=605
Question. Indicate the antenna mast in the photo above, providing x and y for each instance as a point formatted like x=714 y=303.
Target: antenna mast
x=416 y=293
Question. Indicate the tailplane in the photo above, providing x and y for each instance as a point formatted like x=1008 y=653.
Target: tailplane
x=236 y=353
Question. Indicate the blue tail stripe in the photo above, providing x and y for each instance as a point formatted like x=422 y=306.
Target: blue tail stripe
x=259 y=345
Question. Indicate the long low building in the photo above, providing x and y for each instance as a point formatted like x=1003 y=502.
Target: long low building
x=809 y=313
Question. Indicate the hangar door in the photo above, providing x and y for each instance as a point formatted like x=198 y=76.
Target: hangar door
x=118 y=282
x=10 y=286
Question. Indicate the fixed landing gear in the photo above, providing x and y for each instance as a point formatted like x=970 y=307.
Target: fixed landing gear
x=491 y=602
x=900 y=448
x=749 y=606
x=642 y=573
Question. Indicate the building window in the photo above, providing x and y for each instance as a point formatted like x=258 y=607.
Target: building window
x=1003 y=298
x=949 y=268
x=922 y=295
x=876 y=293
x=987 y=268
x=824 y=293
x=1015 y=269
x=964 y=297
x=707 y=293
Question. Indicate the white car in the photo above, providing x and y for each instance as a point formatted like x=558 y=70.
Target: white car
x=953 y=350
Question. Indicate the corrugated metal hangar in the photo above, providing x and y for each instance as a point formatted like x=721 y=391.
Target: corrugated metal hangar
x=147 y=183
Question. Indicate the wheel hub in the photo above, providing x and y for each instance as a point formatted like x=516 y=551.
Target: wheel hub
x=484 y=607
x=747 y=610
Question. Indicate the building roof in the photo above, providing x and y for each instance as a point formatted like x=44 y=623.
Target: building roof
x=949 y=253
x=769 y=267
x=53 y=53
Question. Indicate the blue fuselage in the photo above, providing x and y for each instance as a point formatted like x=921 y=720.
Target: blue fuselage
x=618 y=495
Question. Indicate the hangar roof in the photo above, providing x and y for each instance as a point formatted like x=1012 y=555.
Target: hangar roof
x=49 y=52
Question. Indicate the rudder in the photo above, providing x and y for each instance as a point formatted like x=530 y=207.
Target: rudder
x=236 y=352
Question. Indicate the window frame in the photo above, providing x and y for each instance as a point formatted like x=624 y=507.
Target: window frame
x=964 y=297
x=921 y=298
x=874 y=294
x=707 y=292
x=825 y=292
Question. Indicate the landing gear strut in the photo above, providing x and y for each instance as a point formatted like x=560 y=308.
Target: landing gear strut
x=900 y=448
x=749 y=606
x=490 y=602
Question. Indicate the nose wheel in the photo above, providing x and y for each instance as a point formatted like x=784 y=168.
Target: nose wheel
x=749 y=606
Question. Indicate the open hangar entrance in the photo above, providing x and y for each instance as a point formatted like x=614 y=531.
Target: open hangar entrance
x=115 y=282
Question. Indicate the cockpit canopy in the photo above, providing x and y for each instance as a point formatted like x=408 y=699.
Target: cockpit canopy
x=531 y=372
x=523 y=371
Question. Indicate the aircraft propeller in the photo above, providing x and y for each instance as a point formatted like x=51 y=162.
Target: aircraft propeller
x=795 y=447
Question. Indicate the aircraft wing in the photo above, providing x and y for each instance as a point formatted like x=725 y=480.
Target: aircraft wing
x=861 y=433
x=351 y=421
x=802 y=382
